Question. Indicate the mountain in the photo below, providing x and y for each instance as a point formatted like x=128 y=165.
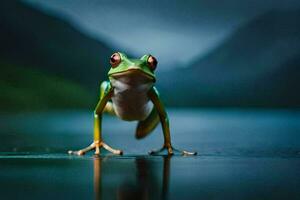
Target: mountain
x=48 y=61
x=257 y=65
x=37 y=40
x=46 y=49
x=24 y=89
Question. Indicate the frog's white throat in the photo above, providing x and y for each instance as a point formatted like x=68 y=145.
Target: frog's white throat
x=130 y=98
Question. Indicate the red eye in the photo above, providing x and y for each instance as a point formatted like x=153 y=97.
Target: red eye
x=115 y=60
x=152 y=62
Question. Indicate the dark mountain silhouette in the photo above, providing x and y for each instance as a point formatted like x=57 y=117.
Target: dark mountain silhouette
x=45 y=62
x=24 y=89
x=257 y=65
x=31 y=38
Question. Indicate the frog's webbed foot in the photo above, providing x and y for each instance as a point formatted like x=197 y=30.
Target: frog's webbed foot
x=171 y=151
x=96 y=146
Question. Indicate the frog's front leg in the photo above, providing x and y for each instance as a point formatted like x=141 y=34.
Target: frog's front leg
x=106 y=93
x=154 y=96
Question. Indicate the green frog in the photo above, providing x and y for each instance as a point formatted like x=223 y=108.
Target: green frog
x=130 y=95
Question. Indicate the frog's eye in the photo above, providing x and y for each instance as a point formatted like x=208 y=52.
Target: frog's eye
x=115 y=60
x=152 y=62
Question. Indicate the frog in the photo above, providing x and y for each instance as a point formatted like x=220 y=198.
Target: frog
x=130 y=94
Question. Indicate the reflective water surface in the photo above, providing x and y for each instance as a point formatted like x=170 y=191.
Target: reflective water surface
x=242 y=155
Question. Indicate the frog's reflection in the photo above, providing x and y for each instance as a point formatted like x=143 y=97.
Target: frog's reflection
x=150 y=183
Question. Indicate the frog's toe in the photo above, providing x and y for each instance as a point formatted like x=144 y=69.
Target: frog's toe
x=112 y=150
x=82 y=151
x=155 y=151
x=171 y=151
x=78 y=153
x=158 y=151
x=97 y=150
x=186 y=153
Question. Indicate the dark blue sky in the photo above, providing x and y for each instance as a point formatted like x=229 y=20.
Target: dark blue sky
x=174 y=31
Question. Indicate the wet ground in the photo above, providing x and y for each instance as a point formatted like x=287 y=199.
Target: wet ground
x=242 y=154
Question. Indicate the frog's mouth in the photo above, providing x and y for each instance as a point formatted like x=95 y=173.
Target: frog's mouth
x=133 y=75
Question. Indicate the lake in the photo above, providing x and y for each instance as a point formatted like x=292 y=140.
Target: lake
x=242 y=154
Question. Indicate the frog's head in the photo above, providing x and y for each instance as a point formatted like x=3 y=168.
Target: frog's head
x=123 y=67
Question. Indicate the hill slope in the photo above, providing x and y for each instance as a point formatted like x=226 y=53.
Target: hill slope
x=45 y=62
x=251 y=68
x=34 y=39
x=24 y=89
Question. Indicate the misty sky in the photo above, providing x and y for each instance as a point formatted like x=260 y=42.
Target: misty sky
x=174 y=31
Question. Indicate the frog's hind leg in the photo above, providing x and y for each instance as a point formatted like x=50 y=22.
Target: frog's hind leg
x=109 y=109
x=146 y=126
